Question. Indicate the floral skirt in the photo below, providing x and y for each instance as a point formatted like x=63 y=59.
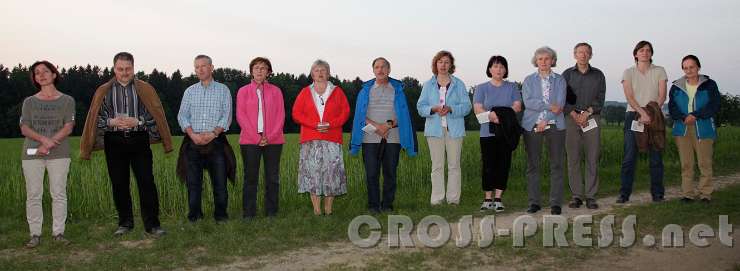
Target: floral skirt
x=321 y=169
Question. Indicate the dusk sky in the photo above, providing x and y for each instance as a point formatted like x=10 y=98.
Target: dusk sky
x=167 y=35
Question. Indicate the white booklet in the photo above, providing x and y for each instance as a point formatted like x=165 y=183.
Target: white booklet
x=482 y=117
x=546 y=127
x=590 y=125
x=637 y=126
x=369 y=129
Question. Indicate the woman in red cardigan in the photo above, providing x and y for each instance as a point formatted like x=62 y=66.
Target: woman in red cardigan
x=321 y=109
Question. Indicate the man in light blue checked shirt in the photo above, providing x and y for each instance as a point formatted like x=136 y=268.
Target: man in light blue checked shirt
x=205 y=113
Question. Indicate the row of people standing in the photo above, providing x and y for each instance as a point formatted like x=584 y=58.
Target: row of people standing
x=563 y=112
x=126 y=116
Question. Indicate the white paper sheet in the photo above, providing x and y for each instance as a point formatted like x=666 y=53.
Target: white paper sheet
x=483 y=117
x=369 y=129
x=590 y=125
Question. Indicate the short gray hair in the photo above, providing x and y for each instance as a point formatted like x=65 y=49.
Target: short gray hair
x=387 y=64
x=545 y=50
x=322 y=63
x=210 y=61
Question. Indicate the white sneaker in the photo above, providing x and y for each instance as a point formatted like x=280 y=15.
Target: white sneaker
x=487 y=205
x=498 y=206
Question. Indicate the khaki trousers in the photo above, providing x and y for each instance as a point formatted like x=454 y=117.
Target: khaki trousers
x=437 y=148
x=687 y=146
x=33 y=170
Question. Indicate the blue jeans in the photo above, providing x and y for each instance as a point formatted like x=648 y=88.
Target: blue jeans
x=214 y=160
x=629 y=163
x=373 y=158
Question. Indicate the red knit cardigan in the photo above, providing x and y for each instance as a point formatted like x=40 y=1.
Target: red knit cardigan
x=336 y=114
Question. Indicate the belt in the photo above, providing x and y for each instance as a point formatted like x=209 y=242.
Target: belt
x=127 y=134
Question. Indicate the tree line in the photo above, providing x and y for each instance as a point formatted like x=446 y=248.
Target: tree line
x=80 y=82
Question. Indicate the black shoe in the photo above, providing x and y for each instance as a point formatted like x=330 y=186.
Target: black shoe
x=386 y=209
x=658 y=199
x=622 y=200
x=591 y=204
x=686 y=200
x=533 y=208
x=374 y=211
x=705 y=200
x=556 y=210
x=156 y=232
x=576 y=203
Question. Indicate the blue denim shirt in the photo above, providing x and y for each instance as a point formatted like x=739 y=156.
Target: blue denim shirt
x=457 y=98
x=405 y=130
x=534 y=105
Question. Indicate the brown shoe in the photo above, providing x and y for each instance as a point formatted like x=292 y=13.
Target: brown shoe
x=59 y=238
x=34 y=242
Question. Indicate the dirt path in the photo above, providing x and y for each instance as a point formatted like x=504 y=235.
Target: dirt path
x=714 y=257
x=345 y=254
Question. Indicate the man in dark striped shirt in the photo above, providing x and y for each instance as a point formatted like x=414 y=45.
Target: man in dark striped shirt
x=129 y=127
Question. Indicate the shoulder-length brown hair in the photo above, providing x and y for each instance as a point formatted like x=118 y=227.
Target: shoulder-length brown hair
x=639 y=46
x=440 y=55
x=49 y=66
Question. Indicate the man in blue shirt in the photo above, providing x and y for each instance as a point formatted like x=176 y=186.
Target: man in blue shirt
x=205 y=114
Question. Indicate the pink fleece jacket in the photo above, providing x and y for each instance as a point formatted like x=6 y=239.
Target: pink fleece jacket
x=273 y=112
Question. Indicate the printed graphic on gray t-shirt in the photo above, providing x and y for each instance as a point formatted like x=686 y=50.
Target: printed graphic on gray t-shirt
x=47 y=118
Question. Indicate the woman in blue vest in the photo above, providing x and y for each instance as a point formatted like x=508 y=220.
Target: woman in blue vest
x=694 y=102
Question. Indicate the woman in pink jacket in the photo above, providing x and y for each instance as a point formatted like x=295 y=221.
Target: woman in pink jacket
x=261 y=115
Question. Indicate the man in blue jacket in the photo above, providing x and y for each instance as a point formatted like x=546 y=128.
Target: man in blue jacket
x=382 y=127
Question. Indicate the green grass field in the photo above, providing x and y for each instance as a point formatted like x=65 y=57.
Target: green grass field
x=92 y=217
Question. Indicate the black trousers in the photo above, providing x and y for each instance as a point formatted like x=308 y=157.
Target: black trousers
x=251 y=155
x=124 y=150
x=496 y=158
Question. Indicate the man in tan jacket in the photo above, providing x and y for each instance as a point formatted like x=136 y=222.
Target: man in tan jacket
x=126 y=116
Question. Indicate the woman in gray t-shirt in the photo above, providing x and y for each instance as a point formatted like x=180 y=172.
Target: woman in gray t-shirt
x=47 y=119
x=495 y=153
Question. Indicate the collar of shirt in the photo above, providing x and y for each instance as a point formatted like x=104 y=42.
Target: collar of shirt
x=376 y=85
x=209 y=86
x=327 y=92
x=549 y=76
x=450 y=85
x=382 y=87
x=256 y=85
x=588 y=69
x=121 y=85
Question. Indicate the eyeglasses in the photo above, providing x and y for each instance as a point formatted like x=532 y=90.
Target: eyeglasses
x=321 y=98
